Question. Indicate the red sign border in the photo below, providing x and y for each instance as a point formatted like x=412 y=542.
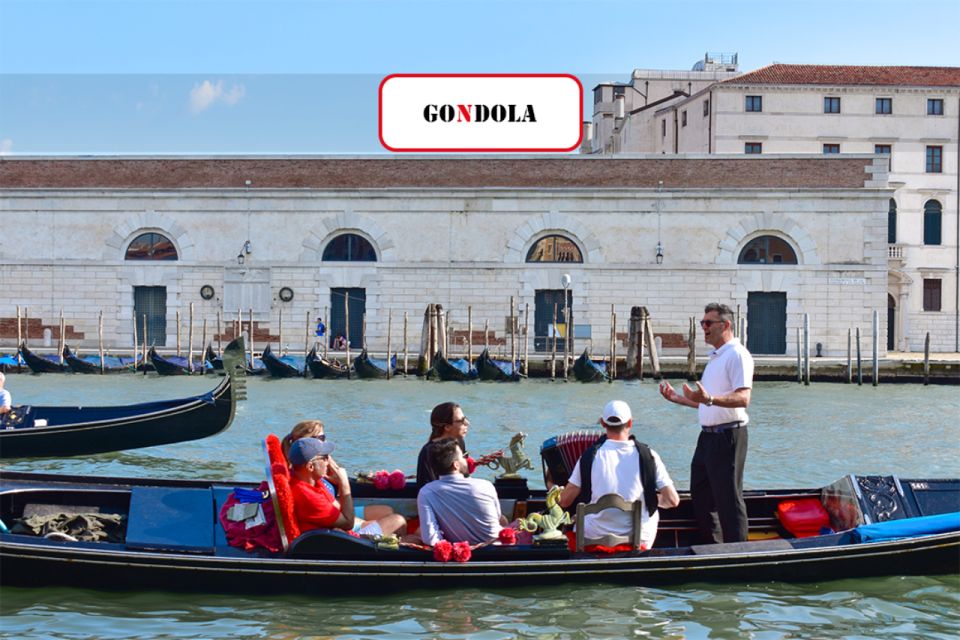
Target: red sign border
x=481 y=149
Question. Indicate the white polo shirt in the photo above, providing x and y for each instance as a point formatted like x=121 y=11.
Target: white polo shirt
x=730 y=368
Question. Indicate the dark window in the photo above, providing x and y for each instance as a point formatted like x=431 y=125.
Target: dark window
x=884 y=106
x=892 y=222
x=753 y=147
x=831 y=148
x=554 y=249
x=349 y=247
x=663 y=128
x=767 y=250
x=706 y=107
x=931 y=294
x=619 y=91
x=150 y=310
x=597 y=95
x=935 y=106
x=151 y=246
x=831 y=105
x=683 y=118
x=932 y=217
x=754 y=103
x=935 y=159
x=885 y=150
x=340 y=298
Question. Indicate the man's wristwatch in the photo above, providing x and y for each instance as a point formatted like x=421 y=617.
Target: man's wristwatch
x=709 y=401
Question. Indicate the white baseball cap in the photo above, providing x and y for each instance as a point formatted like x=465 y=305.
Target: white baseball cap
x=616 y=413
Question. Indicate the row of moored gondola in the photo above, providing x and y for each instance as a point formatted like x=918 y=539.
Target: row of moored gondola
x=485 y=367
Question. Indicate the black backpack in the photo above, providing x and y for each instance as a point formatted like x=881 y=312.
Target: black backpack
x=648 y=473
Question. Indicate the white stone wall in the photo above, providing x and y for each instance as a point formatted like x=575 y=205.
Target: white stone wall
x=455 y=247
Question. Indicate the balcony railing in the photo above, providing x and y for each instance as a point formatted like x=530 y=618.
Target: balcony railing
x=895 y=251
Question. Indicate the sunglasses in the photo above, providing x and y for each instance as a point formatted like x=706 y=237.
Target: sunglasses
x=461 y=420
x=708 y=323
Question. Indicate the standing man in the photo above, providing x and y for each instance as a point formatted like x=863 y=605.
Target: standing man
x=5 y=400
x=721 y=399
x=620 y=464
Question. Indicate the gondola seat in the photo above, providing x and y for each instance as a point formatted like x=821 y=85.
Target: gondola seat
x=610 y=501
x=171 y=519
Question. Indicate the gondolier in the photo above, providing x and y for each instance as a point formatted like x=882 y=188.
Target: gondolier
x=5 y=399
x=721 y=399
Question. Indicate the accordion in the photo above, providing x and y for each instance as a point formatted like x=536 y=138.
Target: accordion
x=560 y=454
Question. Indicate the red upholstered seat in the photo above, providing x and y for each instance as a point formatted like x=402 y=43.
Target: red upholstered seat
x=278 y=476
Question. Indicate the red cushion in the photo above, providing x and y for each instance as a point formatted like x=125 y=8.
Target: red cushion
x=804 y=517
x=281 y=482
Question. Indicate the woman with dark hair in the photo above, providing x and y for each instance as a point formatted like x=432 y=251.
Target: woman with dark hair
x=447 y=421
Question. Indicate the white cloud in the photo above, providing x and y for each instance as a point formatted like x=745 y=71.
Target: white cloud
x=206 y=94
x=6 y=146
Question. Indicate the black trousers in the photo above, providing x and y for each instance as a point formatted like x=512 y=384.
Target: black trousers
x=716 y=485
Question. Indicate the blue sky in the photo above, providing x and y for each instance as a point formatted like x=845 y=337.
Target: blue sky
x=245 y=76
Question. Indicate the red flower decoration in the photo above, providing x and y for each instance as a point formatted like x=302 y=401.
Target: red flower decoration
x=381 y=480
x=442 y=551
x=508 y=536
x=397 y=480
x=461 y=551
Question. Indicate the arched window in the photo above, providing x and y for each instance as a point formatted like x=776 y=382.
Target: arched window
x=932 y=214
x=554 y=248
x=767 y=250
x=892 y=222
x=151 y=246
x=349 y=247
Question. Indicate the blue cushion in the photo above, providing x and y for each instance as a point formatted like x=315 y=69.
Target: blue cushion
x=907 y=528
x=171 y=519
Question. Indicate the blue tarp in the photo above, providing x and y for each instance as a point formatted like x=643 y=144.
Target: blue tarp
x=907 y=528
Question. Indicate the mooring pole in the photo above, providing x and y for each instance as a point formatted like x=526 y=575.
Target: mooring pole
x=849 y=356
x=875 y=355
x=859 y=360
x=100 y=338
x=926 y=359
x=806 y=349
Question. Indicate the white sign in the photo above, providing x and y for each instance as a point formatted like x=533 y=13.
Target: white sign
x=856 y=281
x=481 y=112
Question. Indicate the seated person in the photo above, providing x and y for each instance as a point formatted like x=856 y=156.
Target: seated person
x=339 y=343
x=314 y=429
x=620 y=464
x=447 y=421
x=453 y=507
x=315 y=507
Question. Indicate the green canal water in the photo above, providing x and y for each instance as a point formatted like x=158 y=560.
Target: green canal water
x=799 y=437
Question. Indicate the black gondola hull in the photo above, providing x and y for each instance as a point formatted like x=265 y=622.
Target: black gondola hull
x=79 y=365
x=487 y=369
x=277 y=367
x=167 y=367
x=39 y=364
x=366 y=368
x=586 y=370
x=322 y=368
x=447 y=372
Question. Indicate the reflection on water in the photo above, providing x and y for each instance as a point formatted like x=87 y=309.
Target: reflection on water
x=800 y=436
x=918 y=607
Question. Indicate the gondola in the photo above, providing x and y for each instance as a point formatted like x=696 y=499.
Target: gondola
x=281 y=366
x=213 y=362
x=175 y=365
x=497 y=370
x=367 y=367
x=91 y=364
x=587 y=370
x=10 y=363
x=35 y=431
x=172 y=539
x=320 y=367
x=49 y=363
x=453 y=370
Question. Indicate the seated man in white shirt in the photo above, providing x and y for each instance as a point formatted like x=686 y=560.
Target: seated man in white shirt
x=453 y=507
x=620 y=464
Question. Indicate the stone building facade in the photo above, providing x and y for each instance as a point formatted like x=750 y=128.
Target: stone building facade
x=909 y=115
x=292 y=234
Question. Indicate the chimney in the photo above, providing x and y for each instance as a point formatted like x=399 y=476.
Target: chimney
x=619 y=106
x=586 y=142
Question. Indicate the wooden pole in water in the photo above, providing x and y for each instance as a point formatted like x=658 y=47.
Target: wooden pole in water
x=203 y=342
x=875 y=355
x=469 y=336
x=642 y=319
x=610 y=347
x=279 y=331
x=486 y=335
x=926 y=359
x=406 y=353
x=250 y=332
x=859 y=361
x=849 y=356
x=736 y=333
x=306 y=337
x=553 y=349
x=326 y=339
x=513 y=337
x=190 y=342
x=178 y=333
x=238 y=325
x=566 y=335
x=219 y=334
x=100 y=338
x=63 y=338
x=363 y=330
x=806 y=349
x=692 y=350
x=136 y=345
x=346 y=329
x=613 y=356
x=144 y=356
x=19 y=338
x=799 y=357
x=389 y=331
x=651 y=344
x=526 y=338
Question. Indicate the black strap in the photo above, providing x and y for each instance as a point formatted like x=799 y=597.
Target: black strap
x=648 y=474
